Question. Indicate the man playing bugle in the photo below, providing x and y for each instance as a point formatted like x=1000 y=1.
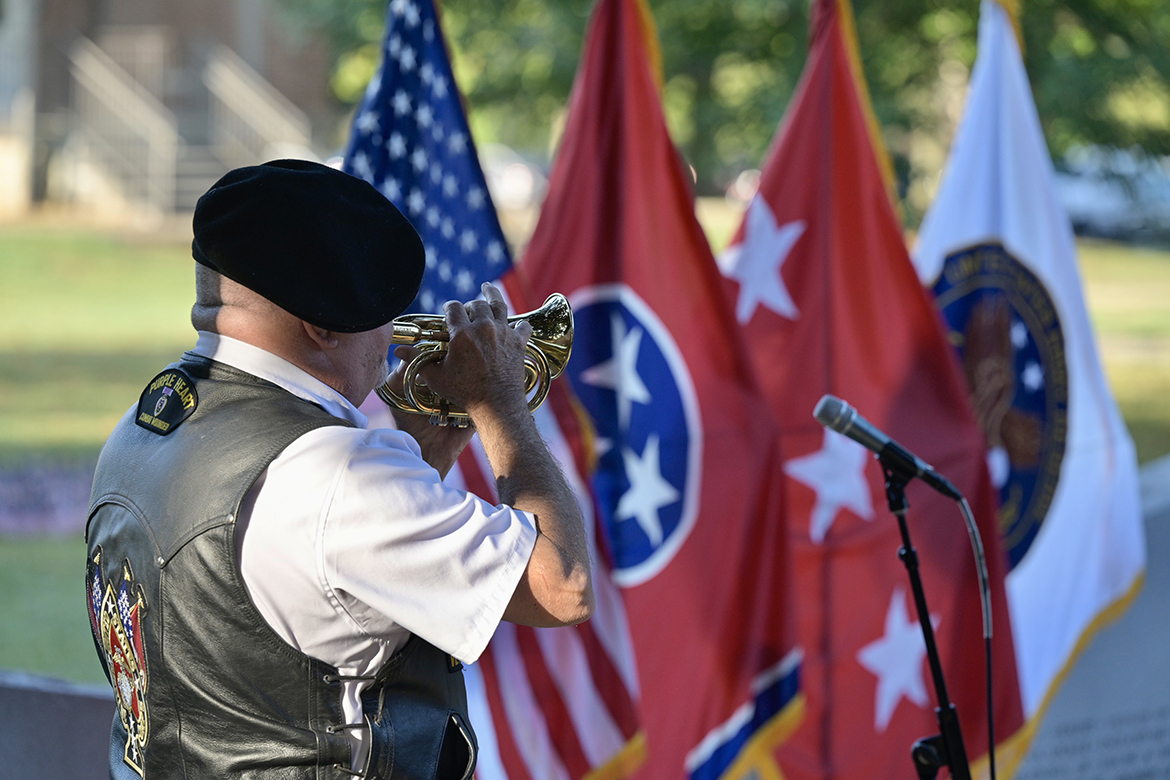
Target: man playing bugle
x=276 y=590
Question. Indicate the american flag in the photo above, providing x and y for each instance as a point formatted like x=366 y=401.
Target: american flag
x=410 y=139
x=545 y=703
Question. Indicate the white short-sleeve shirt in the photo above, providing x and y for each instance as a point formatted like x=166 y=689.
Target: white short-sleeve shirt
x=350 y=542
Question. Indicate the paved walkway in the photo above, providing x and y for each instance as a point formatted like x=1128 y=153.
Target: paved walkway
x=1111 y=718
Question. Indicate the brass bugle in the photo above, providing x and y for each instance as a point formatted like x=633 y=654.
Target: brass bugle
x=545 y=357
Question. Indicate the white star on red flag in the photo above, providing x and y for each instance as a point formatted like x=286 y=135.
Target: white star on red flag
x=896 y=660
x=837 y=473
x=756 y=262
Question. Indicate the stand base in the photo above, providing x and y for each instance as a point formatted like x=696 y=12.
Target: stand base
x=927 y=756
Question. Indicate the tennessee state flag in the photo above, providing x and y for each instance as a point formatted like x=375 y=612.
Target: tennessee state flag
x=682 y=462
x=822 y=284
x=545 y=703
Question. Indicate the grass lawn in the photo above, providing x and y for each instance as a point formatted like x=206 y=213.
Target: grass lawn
x=1128 y=293
x=45 y=627
x=87 y=317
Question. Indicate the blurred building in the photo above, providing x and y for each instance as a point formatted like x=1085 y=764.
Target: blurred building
x=140 y=105
x=16 y=105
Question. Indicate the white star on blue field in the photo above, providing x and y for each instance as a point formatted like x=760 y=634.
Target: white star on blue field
x=411 y=140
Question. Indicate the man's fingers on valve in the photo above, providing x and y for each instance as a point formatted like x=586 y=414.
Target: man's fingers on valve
x=495 y=299
x=455 y=313
x=480 y=310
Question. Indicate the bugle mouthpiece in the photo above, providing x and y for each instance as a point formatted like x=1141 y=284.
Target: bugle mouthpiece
x=407 y=332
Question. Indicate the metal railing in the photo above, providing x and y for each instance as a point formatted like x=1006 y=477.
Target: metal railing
x=142 y=51
x=250 y=121
x=127 y=131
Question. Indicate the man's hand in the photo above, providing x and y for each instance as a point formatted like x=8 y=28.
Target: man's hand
x=482 y=370
x=484 y=364
x=440 y=444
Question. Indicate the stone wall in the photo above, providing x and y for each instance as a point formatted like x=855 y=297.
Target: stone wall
x=53 y=729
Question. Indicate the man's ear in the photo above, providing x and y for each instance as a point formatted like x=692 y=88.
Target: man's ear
x=324 y=339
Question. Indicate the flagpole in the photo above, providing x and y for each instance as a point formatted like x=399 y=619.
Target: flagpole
x=945 y=748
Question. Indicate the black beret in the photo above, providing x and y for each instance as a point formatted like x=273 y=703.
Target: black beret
x=321 y=244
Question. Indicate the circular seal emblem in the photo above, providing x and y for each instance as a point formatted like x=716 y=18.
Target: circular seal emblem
x=630 y=376
x=1005 y=327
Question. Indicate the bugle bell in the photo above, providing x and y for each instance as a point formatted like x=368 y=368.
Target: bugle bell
x=545 y=357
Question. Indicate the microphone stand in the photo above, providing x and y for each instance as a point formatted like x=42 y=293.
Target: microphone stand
x=945 y=748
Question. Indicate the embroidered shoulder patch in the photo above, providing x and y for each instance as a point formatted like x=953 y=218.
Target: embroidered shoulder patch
x=169 y=399
x=115 y=616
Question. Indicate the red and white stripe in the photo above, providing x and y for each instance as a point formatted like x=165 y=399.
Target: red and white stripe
x=562 y=701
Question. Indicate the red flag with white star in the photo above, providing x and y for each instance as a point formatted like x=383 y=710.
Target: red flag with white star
x=830 y=303
x=683 y=465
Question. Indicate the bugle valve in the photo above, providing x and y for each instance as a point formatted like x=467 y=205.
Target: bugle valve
x=545 y=357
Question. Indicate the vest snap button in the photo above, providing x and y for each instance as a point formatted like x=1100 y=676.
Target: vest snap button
x=160 y=560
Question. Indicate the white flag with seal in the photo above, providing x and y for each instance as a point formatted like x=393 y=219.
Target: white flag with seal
x=998 y=250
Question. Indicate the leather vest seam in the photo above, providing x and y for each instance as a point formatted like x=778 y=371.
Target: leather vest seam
x=171 y=692
x=195 y=533
x=274 y=452
x=273 y=639
x=266 y=632
x=128 y=504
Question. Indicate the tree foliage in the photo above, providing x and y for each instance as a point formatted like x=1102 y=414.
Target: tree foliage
x=1100 y=70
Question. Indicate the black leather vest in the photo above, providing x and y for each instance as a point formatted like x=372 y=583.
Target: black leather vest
x=205 y=688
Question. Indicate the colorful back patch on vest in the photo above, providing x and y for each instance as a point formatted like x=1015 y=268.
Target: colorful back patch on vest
x=169 y=399
x=115 y=618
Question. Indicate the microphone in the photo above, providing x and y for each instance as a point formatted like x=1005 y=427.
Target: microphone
x=836 y=415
